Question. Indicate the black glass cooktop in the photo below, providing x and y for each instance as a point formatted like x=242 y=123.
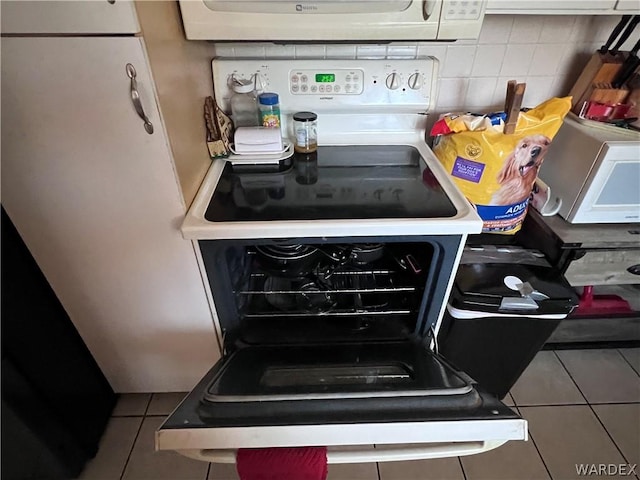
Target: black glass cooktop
x=345 y=182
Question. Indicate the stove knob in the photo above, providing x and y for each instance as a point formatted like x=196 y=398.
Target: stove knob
x=415 y=81
x=393 y=81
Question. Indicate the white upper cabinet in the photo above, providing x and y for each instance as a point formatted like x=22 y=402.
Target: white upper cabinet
x=69 y=17
x=626 y=6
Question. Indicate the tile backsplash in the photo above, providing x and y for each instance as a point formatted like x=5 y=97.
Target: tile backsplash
x=545 y=51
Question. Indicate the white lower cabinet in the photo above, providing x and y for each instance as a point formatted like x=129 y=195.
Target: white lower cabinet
x=97 y=202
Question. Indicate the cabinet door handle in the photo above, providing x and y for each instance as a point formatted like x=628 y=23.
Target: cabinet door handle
x=634 y=269
x=135 y=98
x=427 y=9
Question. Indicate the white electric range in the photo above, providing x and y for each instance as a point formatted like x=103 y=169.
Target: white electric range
x=328 y=276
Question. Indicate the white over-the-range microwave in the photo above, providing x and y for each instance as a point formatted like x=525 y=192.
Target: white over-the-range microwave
x=594 y=169
x=332 y=20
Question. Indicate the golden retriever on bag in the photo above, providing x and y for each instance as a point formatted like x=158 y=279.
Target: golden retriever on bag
x=520 y=170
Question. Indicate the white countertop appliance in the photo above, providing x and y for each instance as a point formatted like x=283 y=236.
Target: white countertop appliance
x=329 y=274
x=595 y=170
x=332 y=20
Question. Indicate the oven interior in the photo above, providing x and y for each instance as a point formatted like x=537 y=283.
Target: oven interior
x=310 y=293
x=330 y=320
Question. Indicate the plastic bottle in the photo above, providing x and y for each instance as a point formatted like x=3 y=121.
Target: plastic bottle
x=269 y=106
x=244 y=105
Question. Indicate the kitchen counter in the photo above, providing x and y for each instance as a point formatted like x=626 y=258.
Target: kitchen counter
x=601 y=236
x=600 y=255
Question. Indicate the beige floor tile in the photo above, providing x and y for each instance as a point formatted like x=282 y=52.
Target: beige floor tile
x=508 y=400
x=133 y=404
x=223 y=471
x=633 y=357
x=115 y=446
x=353 y=471
x=623 y=424
x=436 y=469
x=516 y=460
x=164 y=403
x=546 y=382
x=603 y=376
x=147 y=464
x=570 y=435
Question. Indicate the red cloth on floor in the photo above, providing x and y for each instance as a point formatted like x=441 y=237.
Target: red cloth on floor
x=307 y=463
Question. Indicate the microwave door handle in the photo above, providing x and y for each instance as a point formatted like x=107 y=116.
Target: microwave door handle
x=381 y=453
x=427 y=8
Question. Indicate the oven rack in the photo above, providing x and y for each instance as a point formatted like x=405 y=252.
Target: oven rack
x=375 y=275
x=374 y=292
x=328 y=313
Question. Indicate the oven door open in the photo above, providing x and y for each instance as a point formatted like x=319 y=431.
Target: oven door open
x=382 y=393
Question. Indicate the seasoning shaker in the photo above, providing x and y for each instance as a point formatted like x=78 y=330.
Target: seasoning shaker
x=269 y=106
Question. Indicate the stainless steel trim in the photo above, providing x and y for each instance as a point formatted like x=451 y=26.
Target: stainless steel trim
x=336 y=290
x=135 y=98
x=331 y=313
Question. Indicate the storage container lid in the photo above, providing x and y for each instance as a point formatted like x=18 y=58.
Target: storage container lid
x=512 y=281
x=305 y=116
x=268 y=98
x=242 y=86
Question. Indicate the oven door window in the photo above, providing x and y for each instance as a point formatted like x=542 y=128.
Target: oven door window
x=262 y=374
x=263 y=397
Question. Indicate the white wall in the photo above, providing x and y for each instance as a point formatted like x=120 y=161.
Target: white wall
x=546 y=51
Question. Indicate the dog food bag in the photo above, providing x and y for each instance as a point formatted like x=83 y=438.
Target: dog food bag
x=496 y=172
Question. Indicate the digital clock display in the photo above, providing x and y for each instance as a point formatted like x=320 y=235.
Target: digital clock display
x=325 y=77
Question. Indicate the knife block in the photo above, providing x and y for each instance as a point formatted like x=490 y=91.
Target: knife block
x=601 y=68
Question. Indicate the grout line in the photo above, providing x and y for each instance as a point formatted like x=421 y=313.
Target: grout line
x=607 y=432
x=589 y=405
x=627 y=360
x=464 y=474
x=571 y=377
x=148 y=404
x=133 y=445
x=533 y=440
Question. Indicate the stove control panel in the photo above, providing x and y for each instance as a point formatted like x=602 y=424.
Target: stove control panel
x=324 y=85
x=317 y=82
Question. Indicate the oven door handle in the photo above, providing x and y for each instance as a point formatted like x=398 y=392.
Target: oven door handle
x=381 y=453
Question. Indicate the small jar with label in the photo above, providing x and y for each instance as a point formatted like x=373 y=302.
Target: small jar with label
x=269 y=106
x=305 y=129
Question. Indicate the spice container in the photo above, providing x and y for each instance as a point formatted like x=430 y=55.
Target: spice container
x=269 y=106
x=305 y=129
x=244 y=105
